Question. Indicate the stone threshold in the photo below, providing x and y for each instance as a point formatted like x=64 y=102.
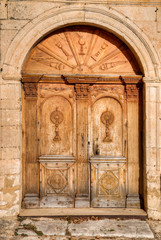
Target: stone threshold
x=129 y=213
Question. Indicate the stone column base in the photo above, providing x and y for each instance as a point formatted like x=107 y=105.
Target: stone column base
x=31 y=201
x=133 y=201
x=82 y=202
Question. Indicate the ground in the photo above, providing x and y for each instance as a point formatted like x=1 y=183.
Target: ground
x=78 y=228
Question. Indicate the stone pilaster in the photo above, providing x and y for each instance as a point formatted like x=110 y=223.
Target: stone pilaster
x=10 y=161
x=152 y=148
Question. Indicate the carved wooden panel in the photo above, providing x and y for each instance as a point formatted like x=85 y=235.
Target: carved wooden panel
x=81 y=50
x=74 y=128
x=108 y=178
x=107 y=127
x=56 y=123
x=57 y=177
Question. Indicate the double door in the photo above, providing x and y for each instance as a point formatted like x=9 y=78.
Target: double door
x=76 y=145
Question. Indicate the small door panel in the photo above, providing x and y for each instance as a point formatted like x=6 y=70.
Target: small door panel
x=57 y=174
x=108 y=178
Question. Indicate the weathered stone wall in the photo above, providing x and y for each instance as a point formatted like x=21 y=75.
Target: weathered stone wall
x=17 y=18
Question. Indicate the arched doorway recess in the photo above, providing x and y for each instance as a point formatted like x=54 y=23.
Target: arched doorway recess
x=82 y=127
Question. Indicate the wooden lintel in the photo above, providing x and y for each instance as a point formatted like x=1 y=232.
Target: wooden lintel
x=89 y=79
x=131 y=79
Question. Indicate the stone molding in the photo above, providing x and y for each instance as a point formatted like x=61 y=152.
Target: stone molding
x=99 y=16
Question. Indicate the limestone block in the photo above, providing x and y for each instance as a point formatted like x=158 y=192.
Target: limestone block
x=159 y=14
x=11 y=24
x=6 y=38
x=12 y=211
x=152 y=109
x=159 y=26
x=10 y=91
x=1 y=196
x=73 y=15
x=11 y=198
x=11 y=104
x=149 y=28
x=11 y=181
x=159 y=53
x=12 y=166
x=155 y=215
x=2 y=167
x=10 y=117
x=3 y=9
x=11 y=136
x=28 y=9
x=138 y=12
x=153 y=94
x=11 y=151
x=151 y=155
x=153 y=200
x=1 y=182
x=152 y=132
x=3 y=213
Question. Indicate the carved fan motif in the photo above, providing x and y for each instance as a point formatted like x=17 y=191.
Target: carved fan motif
x=81 y=50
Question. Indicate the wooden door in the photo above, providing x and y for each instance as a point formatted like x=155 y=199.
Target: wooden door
x=108 y=151
x=80 y=121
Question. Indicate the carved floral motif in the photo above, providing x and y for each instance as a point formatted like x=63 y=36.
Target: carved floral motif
x=82 y=91
x=132 y=92
x=30 y=89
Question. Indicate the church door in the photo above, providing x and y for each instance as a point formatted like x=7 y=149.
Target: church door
x=81 y=124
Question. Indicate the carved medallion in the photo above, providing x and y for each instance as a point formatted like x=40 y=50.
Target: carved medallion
x=107 y=119
x=57 y=181
x=108 y=182
x=56 y=117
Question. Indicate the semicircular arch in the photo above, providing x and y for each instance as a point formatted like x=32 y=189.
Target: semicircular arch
x=105 y=18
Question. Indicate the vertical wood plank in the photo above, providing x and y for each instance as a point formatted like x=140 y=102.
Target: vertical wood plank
x=82 y=139
x=32 y=167
x=133 y=146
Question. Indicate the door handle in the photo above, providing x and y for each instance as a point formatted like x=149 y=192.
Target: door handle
x=97 y=151
x=82 y=136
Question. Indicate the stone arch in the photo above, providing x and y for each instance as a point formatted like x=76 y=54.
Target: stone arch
x=102 y=17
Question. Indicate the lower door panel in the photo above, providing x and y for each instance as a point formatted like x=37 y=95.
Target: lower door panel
x=57 y=175
x=108 y=177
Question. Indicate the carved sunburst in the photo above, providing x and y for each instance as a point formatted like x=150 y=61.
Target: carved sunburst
x=81 y=50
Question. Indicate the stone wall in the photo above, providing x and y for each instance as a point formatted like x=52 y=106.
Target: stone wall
x=20 y=21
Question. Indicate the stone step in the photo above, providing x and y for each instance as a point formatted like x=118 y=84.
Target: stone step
x=106 y=212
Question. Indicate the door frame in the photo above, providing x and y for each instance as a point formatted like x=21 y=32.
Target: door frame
x=30 y=93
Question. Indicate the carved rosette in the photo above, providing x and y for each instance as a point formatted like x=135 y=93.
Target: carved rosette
x=109 y=183
x=30 y=89
x=82 y=91
x=56 y=181
x=132 y=92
